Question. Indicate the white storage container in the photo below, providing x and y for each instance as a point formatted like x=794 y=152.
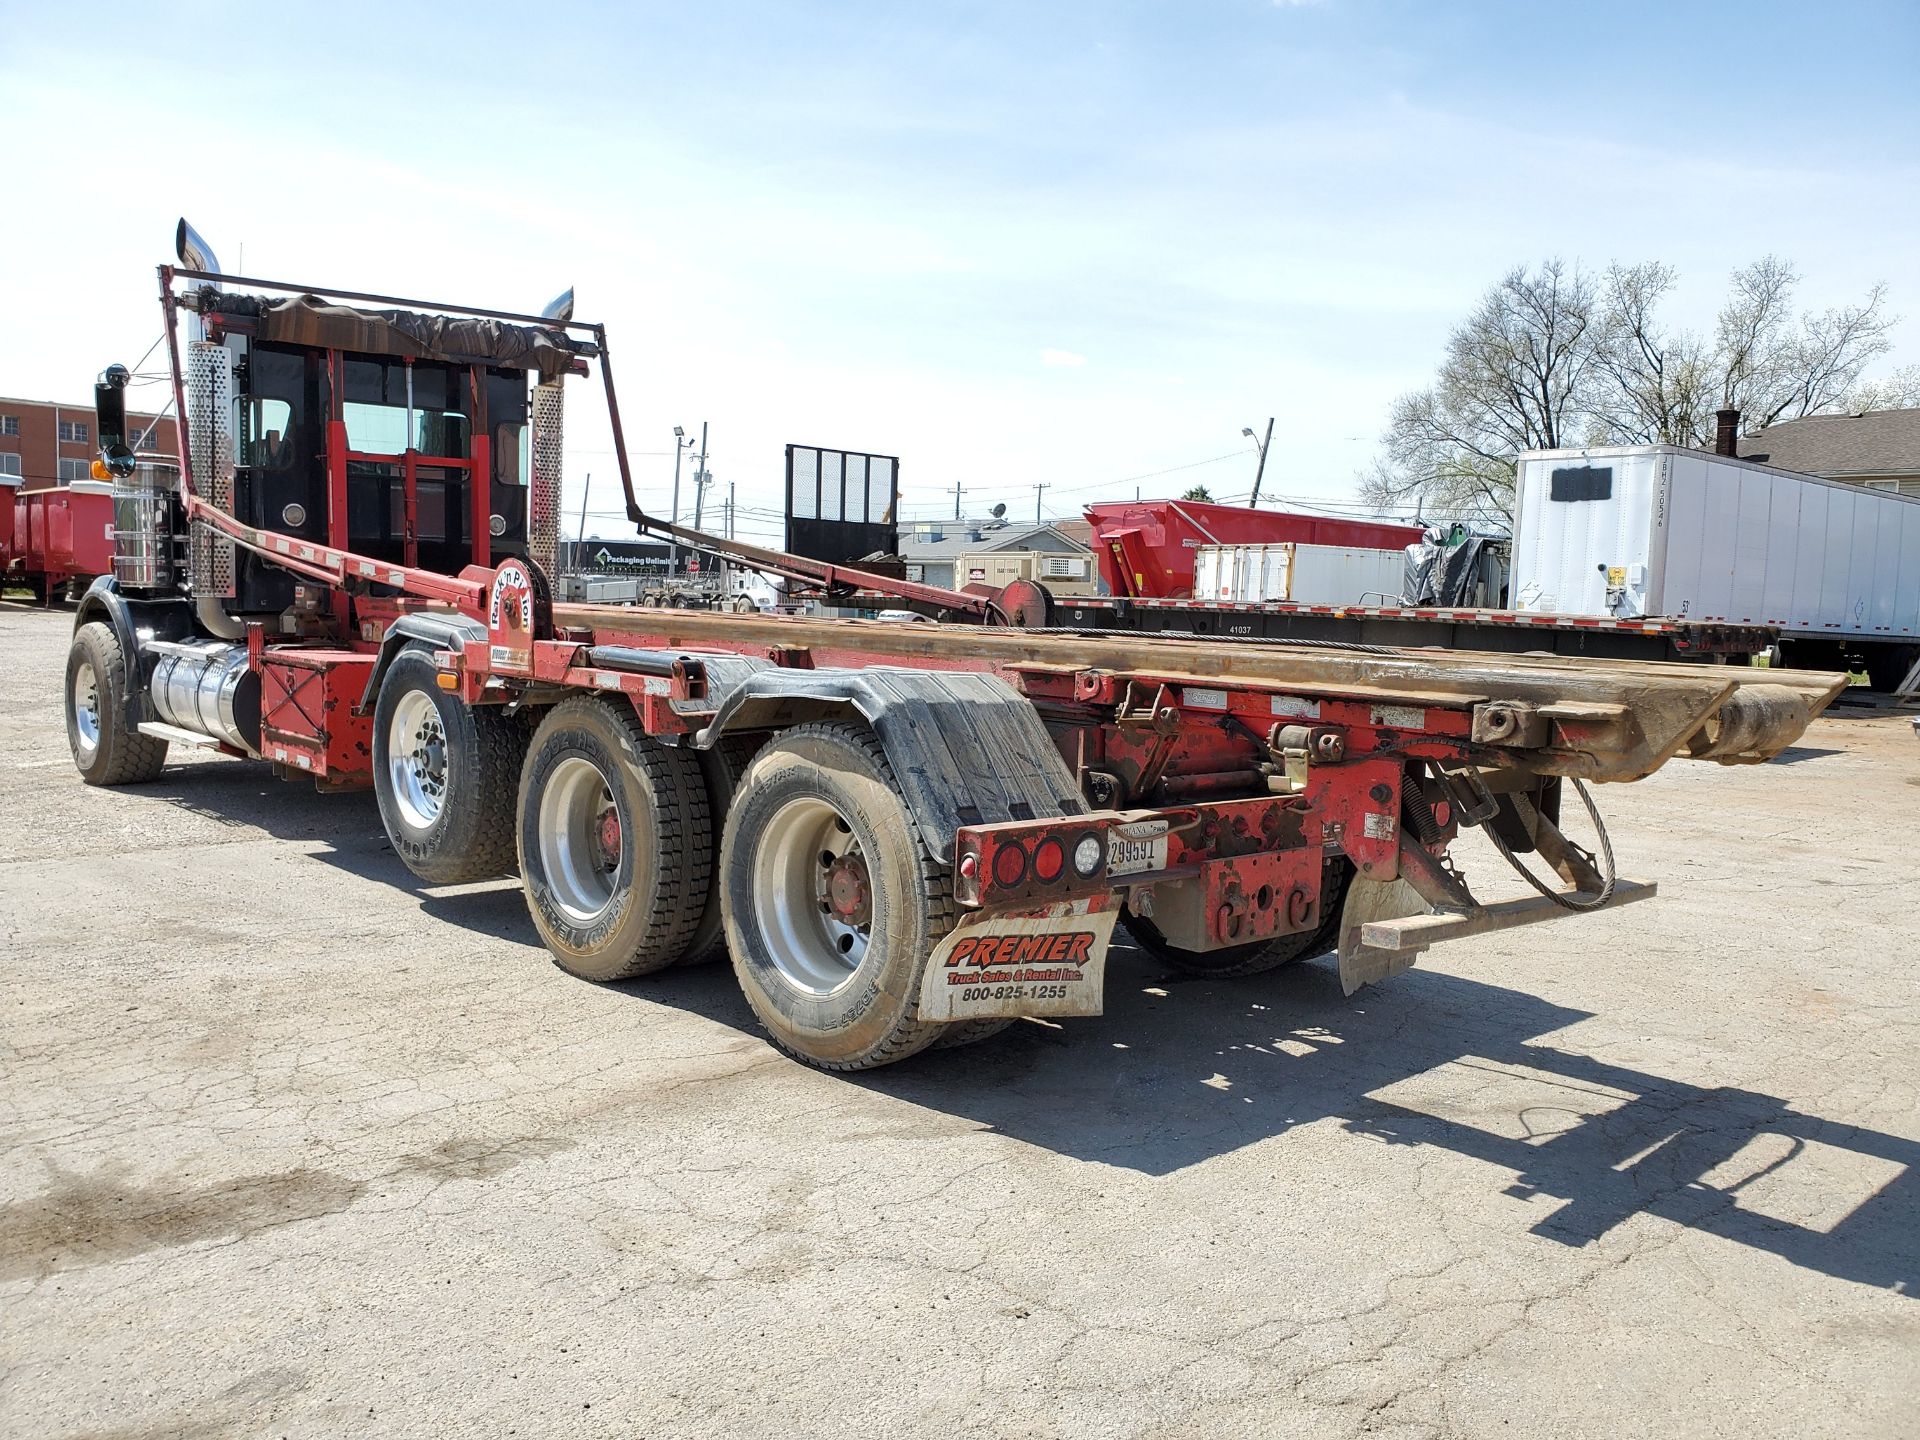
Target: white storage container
x=1302 y=574
x=1655 y=530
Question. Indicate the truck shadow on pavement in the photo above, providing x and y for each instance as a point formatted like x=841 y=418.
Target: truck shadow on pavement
x=1179 y=1071
x=348 y=835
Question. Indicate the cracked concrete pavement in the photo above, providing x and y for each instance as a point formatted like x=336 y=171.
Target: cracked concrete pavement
x=296 y=1146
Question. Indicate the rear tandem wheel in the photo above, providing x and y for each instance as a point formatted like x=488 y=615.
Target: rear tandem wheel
x=614 y=842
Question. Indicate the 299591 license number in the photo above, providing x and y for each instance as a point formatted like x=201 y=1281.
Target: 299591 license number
x=1137 y=848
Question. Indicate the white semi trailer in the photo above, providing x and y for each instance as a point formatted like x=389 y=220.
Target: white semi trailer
x=1655 y=530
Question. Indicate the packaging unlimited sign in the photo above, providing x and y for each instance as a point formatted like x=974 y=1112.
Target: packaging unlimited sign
x=997 y=966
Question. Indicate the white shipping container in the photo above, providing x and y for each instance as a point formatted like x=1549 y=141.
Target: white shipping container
x=1302 y=574
x=1655 y=530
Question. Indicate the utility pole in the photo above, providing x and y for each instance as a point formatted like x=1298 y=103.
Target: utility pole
x=956 y=499
x=581 y=541
x=1043 y=485
x=700 y=478
x=1259 y=474
x=729 y=509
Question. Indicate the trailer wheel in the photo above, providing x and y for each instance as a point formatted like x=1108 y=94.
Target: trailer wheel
x=1263 y=955
x=722 y=766
x=832 y=904
x=444 y=774
x=612 y=829
x=105 y=750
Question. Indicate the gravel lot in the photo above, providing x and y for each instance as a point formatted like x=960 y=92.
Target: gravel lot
x=295 y=1146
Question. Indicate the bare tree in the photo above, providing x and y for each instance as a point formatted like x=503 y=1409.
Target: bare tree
x=1513 y=379
x=1899 y=390
x=1653 y=387
x=1554 y=357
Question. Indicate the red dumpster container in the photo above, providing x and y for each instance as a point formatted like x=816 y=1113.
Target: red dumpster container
x=1145 y=548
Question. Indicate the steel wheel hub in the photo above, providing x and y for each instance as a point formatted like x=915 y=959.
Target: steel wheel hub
x=581 y=840
x=815 y=910
x=417 y=759
x=86 y=707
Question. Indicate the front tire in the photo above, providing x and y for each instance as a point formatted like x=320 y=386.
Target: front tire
x=832 y=903
x=444 y=773
x=613 y=836
x=106 y=750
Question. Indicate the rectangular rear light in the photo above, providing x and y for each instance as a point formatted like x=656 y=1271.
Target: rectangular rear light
x=1031 y=860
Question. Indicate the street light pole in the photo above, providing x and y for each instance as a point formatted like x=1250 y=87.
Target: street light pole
x=1259 y=474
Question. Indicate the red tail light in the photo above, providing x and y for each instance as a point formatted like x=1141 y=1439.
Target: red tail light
x=1049 y=861
x=1009 y=864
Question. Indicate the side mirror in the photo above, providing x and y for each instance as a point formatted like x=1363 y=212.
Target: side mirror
x=110 y=419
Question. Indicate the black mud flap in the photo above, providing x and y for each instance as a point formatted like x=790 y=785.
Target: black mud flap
x=967 y=748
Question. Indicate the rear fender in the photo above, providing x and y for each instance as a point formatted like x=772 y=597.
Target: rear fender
x=967 y=748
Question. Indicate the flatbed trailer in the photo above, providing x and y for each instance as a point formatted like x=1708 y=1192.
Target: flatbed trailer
x=1411 y=626
x=901 y=835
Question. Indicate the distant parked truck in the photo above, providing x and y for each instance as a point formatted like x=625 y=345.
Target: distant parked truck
x=1303 y=574
x=55 y=536
x=1656 y=530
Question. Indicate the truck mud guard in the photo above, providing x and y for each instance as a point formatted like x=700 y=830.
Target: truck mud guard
x=128 y=618
x=443 y=632
x=967 y=748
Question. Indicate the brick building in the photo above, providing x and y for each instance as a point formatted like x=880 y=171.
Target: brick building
x=44 y=443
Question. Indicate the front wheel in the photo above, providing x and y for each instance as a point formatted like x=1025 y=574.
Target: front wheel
x=832 y=903
x=106 y=750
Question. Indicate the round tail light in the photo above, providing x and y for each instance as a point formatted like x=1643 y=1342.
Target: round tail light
x=1009 y=865
x=1049 y=860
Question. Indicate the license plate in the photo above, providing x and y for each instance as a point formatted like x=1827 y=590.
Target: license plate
x=1137 y=848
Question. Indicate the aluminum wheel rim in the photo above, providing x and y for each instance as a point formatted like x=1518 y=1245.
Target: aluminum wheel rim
x=812 y=938
x=417 y=759
x=581 y=839
x=86 y=707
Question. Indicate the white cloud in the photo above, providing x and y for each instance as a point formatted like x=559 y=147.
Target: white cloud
x=1064 y=359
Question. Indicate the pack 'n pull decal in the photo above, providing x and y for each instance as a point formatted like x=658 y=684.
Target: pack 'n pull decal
x=510 y=616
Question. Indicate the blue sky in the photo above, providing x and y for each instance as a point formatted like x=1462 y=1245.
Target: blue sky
x=1076 y=243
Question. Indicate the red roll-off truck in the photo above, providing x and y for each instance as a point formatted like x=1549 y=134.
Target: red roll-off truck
x=900 y=835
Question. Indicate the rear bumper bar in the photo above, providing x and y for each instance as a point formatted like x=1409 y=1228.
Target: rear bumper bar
x=1417 y=932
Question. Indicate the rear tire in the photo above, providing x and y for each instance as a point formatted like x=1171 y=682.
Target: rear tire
x=832 y=903
x=444 y=773
x=106 y=750
x=1263 y=955
x=610 y=825
x=722 y=767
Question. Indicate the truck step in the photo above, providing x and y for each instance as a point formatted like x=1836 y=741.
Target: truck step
x=177 y=735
